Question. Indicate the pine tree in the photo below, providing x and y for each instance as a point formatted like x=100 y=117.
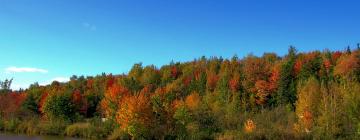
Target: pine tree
x=286 y=94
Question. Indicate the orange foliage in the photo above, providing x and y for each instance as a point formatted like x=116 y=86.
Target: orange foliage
x=192 y=101
x=234 y=83
x=262 y=91
x=250 y=126
x=147 y=89
x=177 y=103
x=134 y=109
x=274 y=77
x=212 y=80
x=256 y=69
x=112 y=98
x=42 y=101
x=307 y=120
x=347 y=64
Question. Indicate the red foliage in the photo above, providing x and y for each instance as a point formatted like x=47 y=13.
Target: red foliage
x=336 y=55
x=197 y=74
x=76 y=97
x=234 y=83
x=80 y=102
x=110 y=81
x=187 y=80
x=298 y=66
x=10 y=104
x=174 y=72
x=327 y=64
x=147 y=89
x=89 y=83
x=42 y=101
x=212 y=80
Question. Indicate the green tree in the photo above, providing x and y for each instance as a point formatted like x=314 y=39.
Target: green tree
x=286 y=94
x=5 y=86
x=59 y=106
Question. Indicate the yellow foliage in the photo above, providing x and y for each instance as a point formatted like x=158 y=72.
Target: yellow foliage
x=250 y=126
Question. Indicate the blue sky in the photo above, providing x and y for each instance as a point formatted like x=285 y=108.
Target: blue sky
x=43 y=40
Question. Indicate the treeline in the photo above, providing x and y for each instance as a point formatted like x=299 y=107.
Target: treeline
x=313 y=95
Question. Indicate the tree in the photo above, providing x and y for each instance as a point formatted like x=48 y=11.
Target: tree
x=307 y=105
x=348 y=66
x=192 y=101
x=10 y=105
x=113 y=96
x=5 y=86
x=59 y=106
x=135 y=116
x=30 y=104
x=331 y=115
x=136 y=71
x=286 y=93
x=151 y=76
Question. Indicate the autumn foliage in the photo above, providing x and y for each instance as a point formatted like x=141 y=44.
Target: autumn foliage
x=312 y=95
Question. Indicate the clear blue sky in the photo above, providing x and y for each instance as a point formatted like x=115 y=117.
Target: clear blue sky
x=45 y=39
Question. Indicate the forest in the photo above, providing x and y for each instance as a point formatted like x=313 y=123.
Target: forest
x=301 y=95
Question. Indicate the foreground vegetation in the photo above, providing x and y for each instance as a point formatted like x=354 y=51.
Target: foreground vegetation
x=312 y=95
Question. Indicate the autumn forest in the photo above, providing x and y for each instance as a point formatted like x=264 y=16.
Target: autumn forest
x=301 y=95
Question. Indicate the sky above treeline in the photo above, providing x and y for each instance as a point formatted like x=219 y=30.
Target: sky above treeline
x=45 y=40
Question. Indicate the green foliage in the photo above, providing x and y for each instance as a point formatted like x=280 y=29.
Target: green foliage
x=119 y=134
x=59 y=106
x=5 y=86
x=30 y=104
x=286 y=93
x=53 y=127
x=85 y=130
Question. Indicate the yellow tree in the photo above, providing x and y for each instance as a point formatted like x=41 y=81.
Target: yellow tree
x=192 y=101
x=309 y=96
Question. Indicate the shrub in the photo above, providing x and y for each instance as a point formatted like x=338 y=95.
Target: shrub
x=119 y=134
x=1 y=124
x=11 y=125
x=28 y=127
x=54 y=127
x=84 y=130
x=59 y=106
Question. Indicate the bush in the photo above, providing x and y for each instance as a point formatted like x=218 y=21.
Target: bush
x=119 y=134
x=60 y=106
x=107 y=126
x=11 y=125
x=54 y=127
x=85 y=130
x=28 y=127
x=1 y=124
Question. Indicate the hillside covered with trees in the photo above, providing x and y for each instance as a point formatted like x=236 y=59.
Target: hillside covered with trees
x=312 y=95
